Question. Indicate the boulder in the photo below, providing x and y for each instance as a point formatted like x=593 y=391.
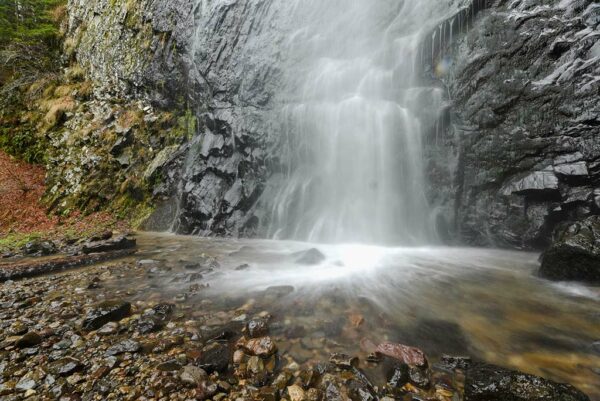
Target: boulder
x=575 y=253
x=486 y=382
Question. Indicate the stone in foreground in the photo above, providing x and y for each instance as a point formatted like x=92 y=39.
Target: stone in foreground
x=492 y=383
x=575 y=255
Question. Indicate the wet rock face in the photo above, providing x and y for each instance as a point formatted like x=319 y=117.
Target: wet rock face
x=525 y=150
x=492 y=383
x=575 y=255
x=233 y=75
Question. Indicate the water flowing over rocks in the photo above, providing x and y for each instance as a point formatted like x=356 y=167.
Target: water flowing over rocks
x=209 y=347
x=523 y=146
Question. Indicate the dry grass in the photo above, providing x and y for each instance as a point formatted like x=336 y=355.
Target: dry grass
x=56 y=109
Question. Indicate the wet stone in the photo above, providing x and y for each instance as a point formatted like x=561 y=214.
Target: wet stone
x=114 y=244
x=344 y=361
x=419 y=377
x=263 y=346
x=29 y=340
x=148 y=325
x=257 y=328
x=403 y=353
x=26 y=383
x=108 y=311
x=123 y=347
x=108 y=329
x=193 y=376
x=67 y=366
x=214 y=358
x=309 y=257
x=486 y=382
x=296 y=393
x=169 y=366
x=455 y=362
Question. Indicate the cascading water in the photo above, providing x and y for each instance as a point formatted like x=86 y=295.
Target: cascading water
x=352 y=139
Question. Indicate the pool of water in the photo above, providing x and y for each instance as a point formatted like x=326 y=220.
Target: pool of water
x=479 y=302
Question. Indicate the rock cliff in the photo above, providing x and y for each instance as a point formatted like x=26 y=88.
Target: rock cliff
x=169 y=104
x=524 y=150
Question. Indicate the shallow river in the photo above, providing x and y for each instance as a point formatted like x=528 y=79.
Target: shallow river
x=484 y=303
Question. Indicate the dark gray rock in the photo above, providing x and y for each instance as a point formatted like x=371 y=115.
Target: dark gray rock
x=575 y=254
x=492 y=383
x=108 y=311
x=115 y=244
x=66 y=366
x=39 y=248
x=518 y=152
x=215 y=358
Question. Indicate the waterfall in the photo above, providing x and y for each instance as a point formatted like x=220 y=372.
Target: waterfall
x=351 y=128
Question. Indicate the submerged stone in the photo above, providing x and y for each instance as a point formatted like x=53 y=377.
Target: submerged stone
x=309 y=257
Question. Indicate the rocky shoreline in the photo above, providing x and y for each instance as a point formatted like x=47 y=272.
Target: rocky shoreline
x=71 y=336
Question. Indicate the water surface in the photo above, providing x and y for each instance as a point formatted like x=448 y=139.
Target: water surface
x=484 y=303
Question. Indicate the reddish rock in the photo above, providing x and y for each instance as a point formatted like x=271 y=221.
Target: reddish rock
x=263 y=346
x=403 y=353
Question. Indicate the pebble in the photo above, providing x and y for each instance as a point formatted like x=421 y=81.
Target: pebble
x=123 y=347
x=193 y=375
x=296 y=393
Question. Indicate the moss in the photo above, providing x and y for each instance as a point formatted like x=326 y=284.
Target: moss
x=15 y=241
x=185 y=128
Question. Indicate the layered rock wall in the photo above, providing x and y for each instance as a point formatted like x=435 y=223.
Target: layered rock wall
x=525 y=142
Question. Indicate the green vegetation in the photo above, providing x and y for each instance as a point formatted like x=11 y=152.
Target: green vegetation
x=29 y=35
x=29 y=58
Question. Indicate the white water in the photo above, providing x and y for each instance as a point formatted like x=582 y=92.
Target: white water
x=353 y=143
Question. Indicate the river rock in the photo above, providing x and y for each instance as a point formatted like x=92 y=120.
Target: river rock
x=263 y=346
x=344 y=361
x=309 y=257
x=26 y=383
x=67 y=366
x=29 y=340
x=403 y=353
x=575 y=254
x=123 y=347
x=214 y=358
x=492 y=383
x=193 y=376
x=114 y=244
x=257 y=328
x=108 y=311
x=39 y=248
x=108 y=329
x=296 y=393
